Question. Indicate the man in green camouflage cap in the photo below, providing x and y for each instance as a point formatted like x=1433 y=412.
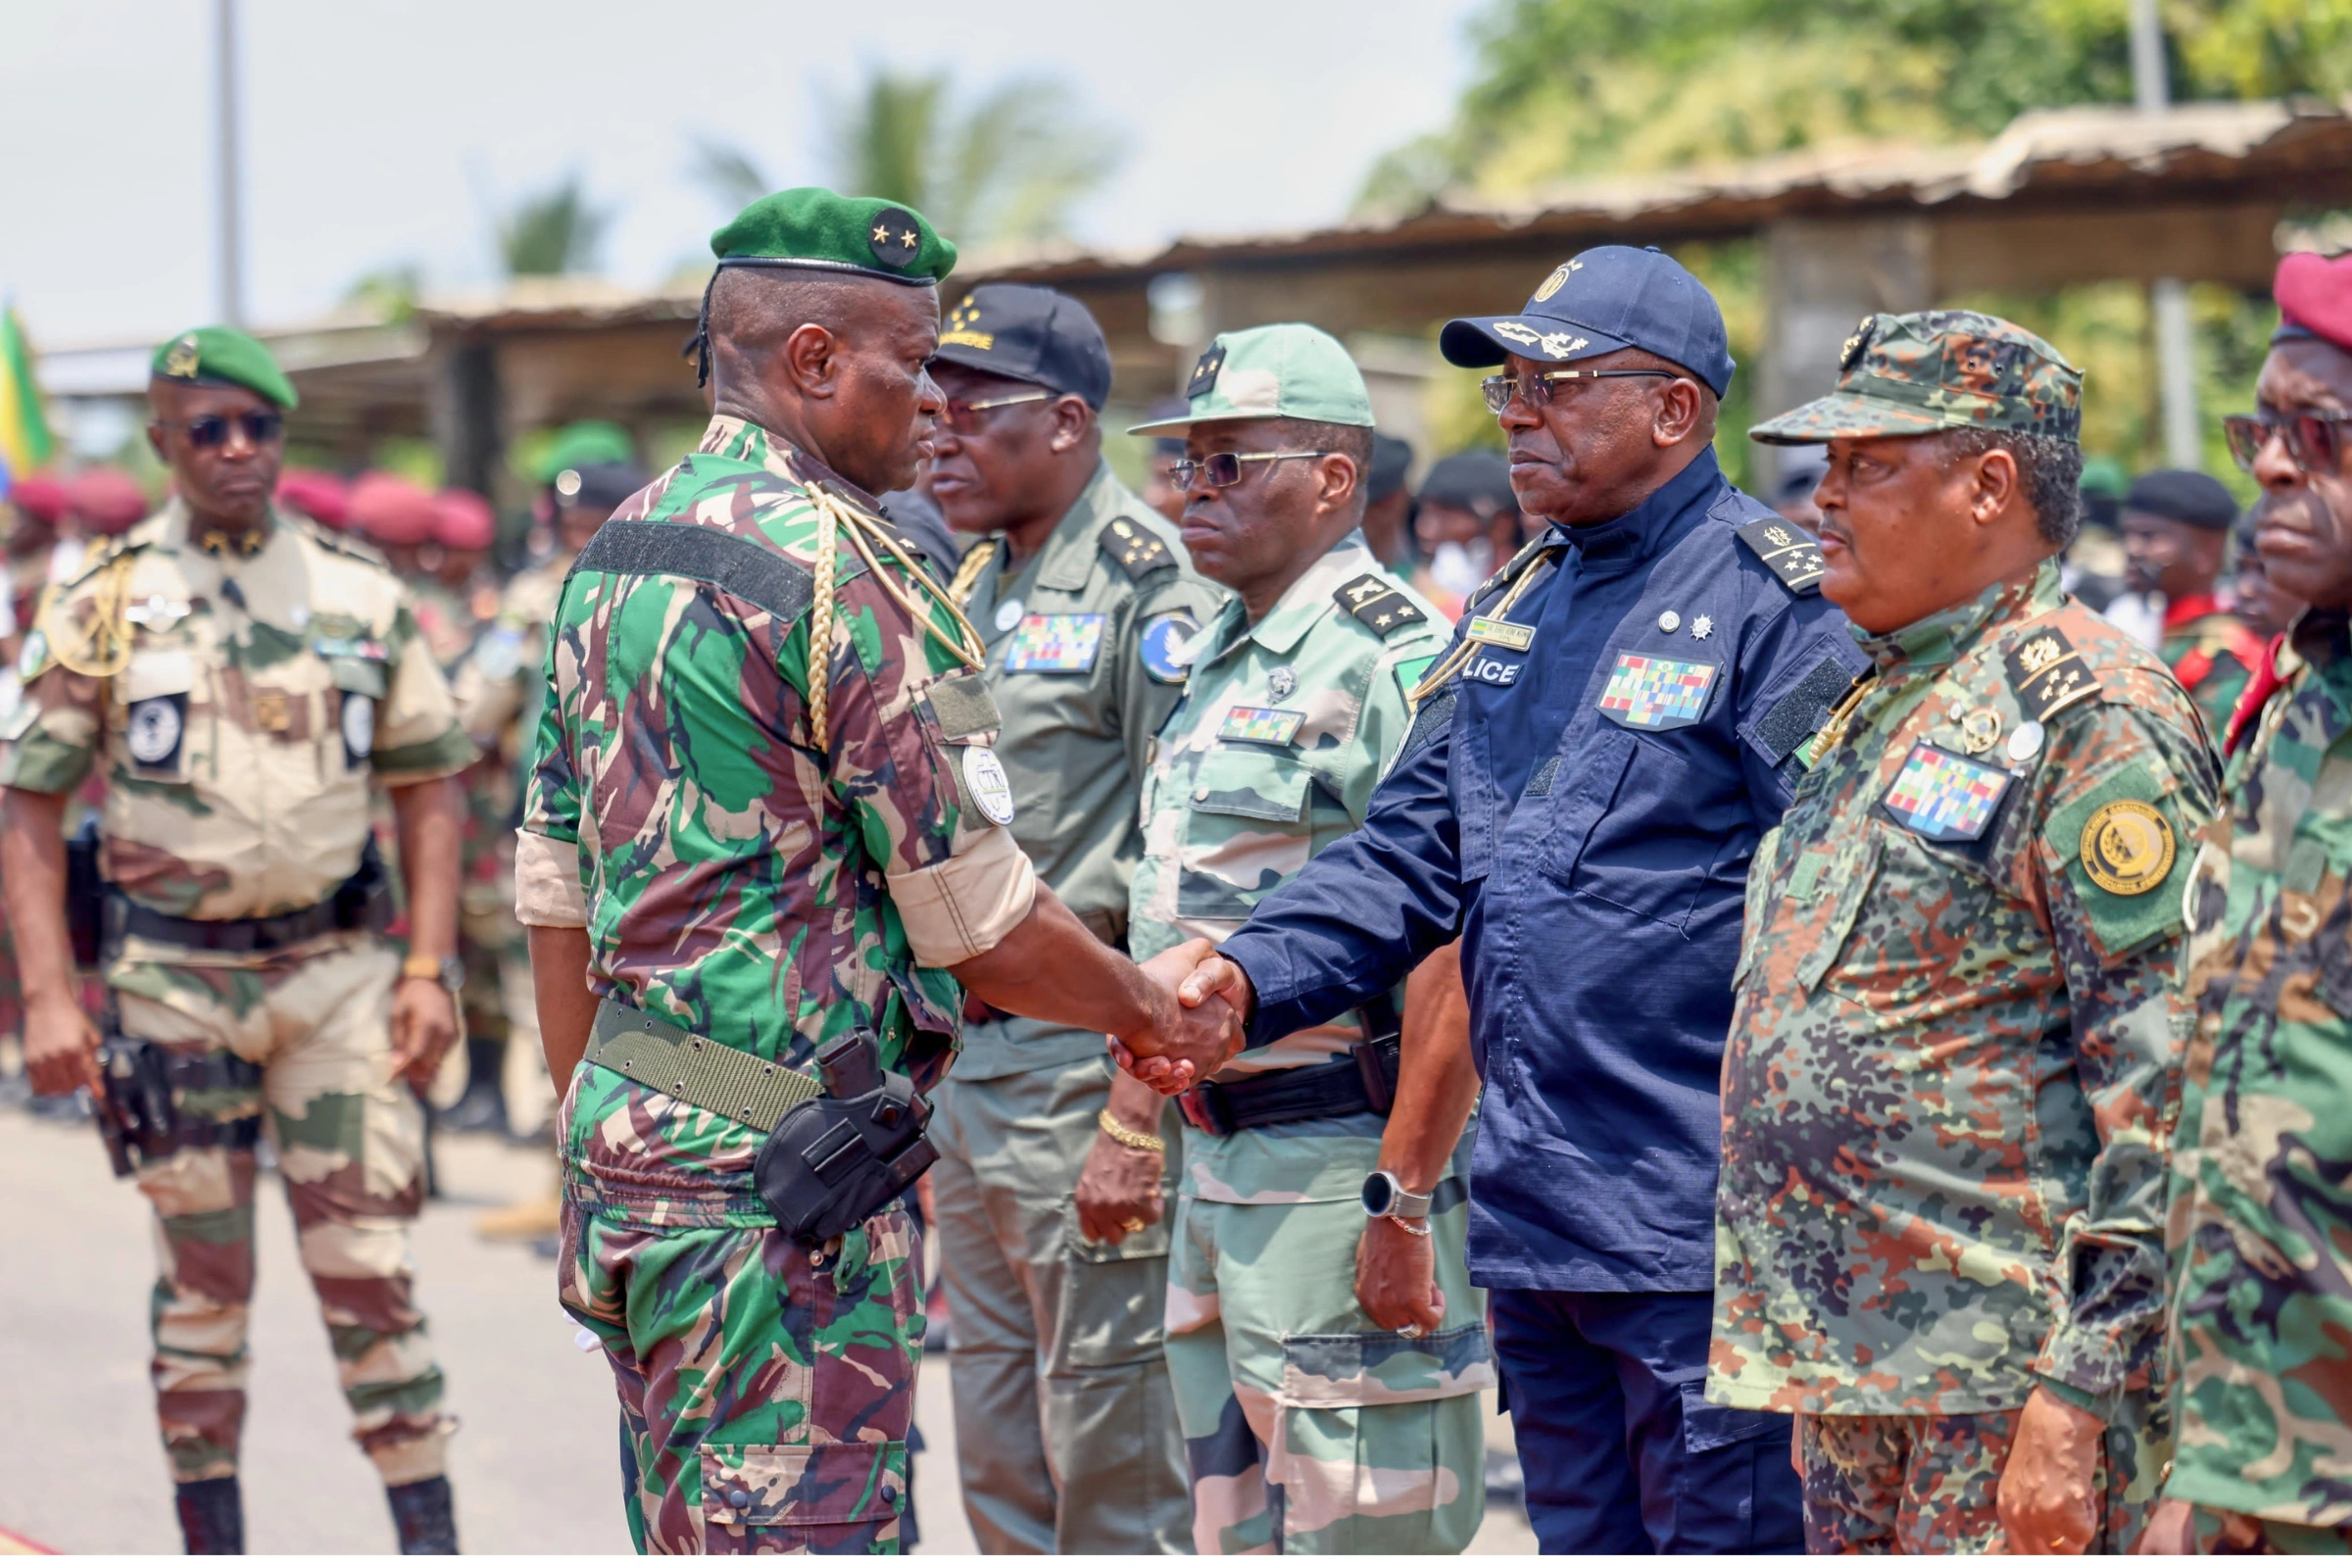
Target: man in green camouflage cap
x=1326 y=1366
x=765 y=820
x=1947 y=1092
x=242 y=679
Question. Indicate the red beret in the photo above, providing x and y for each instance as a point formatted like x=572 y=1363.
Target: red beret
x=40 y=496
x=320 y=497
x=106 y=500
x=2314 y=293
x=390 y=511
x=464 y=520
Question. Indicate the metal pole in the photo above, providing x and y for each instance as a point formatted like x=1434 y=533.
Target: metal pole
x=2167 y=297
x=230 y=217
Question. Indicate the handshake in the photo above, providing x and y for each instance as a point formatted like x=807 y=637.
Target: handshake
x=1199 y=1003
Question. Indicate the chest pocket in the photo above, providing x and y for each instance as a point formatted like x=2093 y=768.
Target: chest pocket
x=1245 y=830
x=360 y=686
x=158 y=687
x=1636 y=855
x=1914 y=922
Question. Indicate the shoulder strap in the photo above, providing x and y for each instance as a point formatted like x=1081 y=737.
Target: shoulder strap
x=2047 y=672
x=1376 y=601
x=750 y=571
x=1135 y=550
x=1793 y=554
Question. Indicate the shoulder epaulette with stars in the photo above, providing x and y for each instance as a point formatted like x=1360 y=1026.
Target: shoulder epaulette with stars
x=2048 y=674
x=1373 y=599
x=1138 y=552
x=1793 y=554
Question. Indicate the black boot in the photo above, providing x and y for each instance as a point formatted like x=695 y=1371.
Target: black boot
x=421 y=1513
x=212 y=1518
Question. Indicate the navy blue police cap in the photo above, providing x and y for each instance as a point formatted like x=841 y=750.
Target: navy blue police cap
x=1608 y=298
x=1031 y=334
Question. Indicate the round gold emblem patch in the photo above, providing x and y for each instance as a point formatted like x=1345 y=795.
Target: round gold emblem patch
x=2127 y=846
x=1551 y=284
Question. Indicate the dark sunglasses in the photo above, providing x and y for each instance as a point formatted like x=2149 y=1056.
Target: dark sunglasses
x=1535 y=391
x=1221 y=468
x=2314 y=442
x=212 y=429
x=964 y=418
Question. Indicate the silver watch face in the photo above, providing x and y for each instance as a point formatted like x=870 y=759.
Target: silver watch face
x=1380 y=1193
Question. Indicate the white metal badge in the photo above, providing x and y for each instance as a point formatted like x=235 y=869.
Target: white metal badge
x=992 y=791
x=359 y=726
x=152 y=734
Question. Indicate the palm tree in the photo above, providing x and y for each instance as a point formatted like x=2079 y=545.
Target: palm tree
x=555 y=231
x=1008 y=167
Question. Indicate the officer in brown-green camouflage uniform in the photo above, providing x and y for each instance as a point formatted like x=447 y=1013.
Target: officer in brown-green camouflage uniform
x=743 y=860
x=240 y=677
x=2261 y=1335
x=1946 y=1091
x=1087 y=603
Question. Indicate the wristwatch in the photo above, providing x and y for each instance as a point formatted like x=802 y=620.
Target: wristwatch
x=1385 y=1198
x=449 y=971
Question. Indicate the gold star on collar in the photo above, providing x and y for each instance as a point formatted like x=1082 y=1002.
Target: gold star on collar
x=244 y=544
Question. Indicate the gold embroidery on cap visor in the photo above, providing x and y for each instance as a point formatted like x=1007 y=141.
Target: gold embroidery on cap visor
x=2128 y=848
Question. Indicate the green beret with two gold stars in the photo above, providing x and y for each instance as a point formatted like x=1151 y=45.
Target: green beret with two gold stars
x=813 y=227
x=223 y=356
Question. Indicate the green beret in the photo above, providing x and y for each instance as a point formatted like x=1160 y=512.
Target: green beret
x=813 y=227
x=584 y=443
x=223 y=356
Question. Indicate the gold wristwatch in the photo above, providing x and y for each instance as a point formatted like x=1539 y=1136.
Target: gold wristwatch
x=450 y=972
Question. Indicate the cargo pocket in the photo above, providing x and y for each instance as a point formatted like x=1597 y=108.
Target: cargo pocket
x=1113 y=1297
x=1724 y=1451
x=1244 y=830
x=827 y=1496
x=1373 y=1449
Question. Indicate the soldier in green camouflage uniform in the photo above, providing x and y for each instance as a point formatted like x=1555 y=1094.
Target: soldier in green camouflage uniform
x=719 y=839
x=2262 y=1175
x=1307 y=1426
x=1065 y=1425
x=241 y=677
x=1946 y=1090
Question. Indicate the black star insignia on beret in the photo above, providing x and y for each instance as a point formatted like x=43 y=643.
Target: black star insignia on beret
x=893 y=238
x=1205 y=372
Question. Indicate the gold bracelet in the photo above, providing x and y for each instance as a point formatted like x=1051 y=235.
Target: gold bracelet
x=1120 y=1133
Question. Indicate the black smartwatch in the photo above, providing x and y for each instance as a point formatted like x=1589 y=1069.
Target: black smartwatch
x=1385 y=1198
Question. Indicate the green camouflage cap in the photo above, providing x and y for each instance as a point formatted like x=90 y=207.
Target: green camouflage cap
x=1289 y=371
x=1938 y=370
x=223 y=356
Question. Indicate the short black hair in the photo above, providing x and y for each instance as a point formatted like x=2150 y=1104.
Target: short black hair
x=2048 y=467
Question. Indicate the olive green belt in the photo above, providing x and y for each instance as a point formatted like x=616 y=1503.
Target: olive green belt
x=691 y=1068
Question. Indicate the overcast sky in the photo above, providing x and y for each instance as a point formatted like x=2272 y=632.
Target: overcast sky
x=379 y=132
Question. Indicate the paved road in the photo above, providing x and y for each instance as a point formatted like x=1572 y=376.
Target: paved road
x=534 y=1465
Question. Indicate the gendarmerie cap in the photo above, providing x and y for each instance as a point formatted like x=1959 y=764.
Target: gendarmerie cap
x=1030 y=335
x=1289 y=371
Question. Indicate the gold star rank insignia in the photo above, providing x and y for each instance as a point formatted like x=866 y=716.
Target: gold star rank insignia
x=1374 y=600
x=882 y=234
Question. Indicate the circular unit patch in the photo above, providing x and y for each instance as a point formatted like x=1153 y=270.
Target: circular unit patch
x=359 y=723
x=992 y=791
x=1167 y=646
x=153 y=732
x=1008 y=615
x=893 y=238
x=2127 y=846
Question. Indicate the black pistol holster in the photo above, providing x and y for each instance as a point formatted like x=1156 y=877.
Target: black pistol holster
x=841 y=1145
x=835 y=1162
x=143 y=1105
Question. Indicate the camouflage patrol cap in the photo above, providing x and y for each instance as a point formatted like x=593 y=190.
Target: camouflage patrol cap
x=1288 y=370
x=1938 y=370
x=223 y=356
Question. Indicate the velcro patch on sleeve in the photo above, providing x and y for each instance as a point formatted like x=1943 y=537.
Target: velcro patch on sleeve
x=963 y=707
x=1793 y=554
x=1802 y=709
x=2121 y=846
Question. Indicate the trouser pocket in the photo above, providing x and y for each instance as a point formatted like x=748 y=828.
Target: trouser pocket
x=1113 y=1304
x=827 y=1496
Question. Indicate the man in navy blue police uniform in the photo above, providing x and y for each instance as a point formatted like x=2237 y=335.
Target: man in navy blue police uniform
x=1616 y=725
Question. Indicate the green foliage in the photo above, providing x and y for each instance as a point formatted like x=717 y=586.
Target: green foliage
x=553 y=232
x=390 y=293
x=1574 y=87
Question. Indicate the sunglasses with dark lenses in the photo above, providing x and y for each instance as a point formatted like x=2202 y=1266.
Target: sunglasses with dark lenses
x=1221 y=468
x=2314 y=442
x=1535 y=391
x=964 y=418
x=212 y=429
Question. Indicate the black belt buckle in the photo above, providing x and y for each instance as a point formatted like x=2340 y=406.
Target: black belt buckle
x=1210 y=1110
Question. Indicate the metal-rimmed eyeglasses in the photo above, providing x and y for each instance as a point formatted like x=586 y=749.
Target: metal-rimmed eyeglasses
x=962 y=417
x=1535 y=391
x=2314 y=442
x=261 y=427
x=1221 y=468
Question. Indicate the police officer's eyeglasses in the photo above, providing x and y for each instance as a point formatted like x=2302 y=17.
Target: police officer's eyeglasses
x=964 y=418
x=212 y=429
x=1221 y=468
x=2314 y=442
x=1535 y=391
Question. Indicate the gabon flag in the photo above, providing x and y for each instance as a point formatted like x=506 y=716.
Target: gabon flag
x=26 y=442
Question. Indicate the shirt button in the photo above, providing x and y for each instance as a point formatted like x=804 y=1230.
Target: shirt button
x=890 y=1493
x=1200 y=795
x=739 y=1498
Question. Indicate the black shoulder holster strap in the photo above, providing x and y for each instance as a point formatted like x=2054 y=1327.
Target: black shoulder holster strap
x=751 y=571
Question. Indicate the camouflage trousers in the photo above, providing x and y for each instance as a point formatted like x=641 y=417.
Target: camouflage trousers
x=2220 y=1533
x=1917 y=1483
x=765 y=1390
x=1066 y=1426
x=1308 y=1426
x=350 y=1144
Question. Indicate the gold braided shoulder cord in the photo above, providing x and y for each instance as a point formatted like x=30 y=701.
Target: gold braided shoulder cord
x=834 y=519
x=100 y=646
x=1466 y=649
